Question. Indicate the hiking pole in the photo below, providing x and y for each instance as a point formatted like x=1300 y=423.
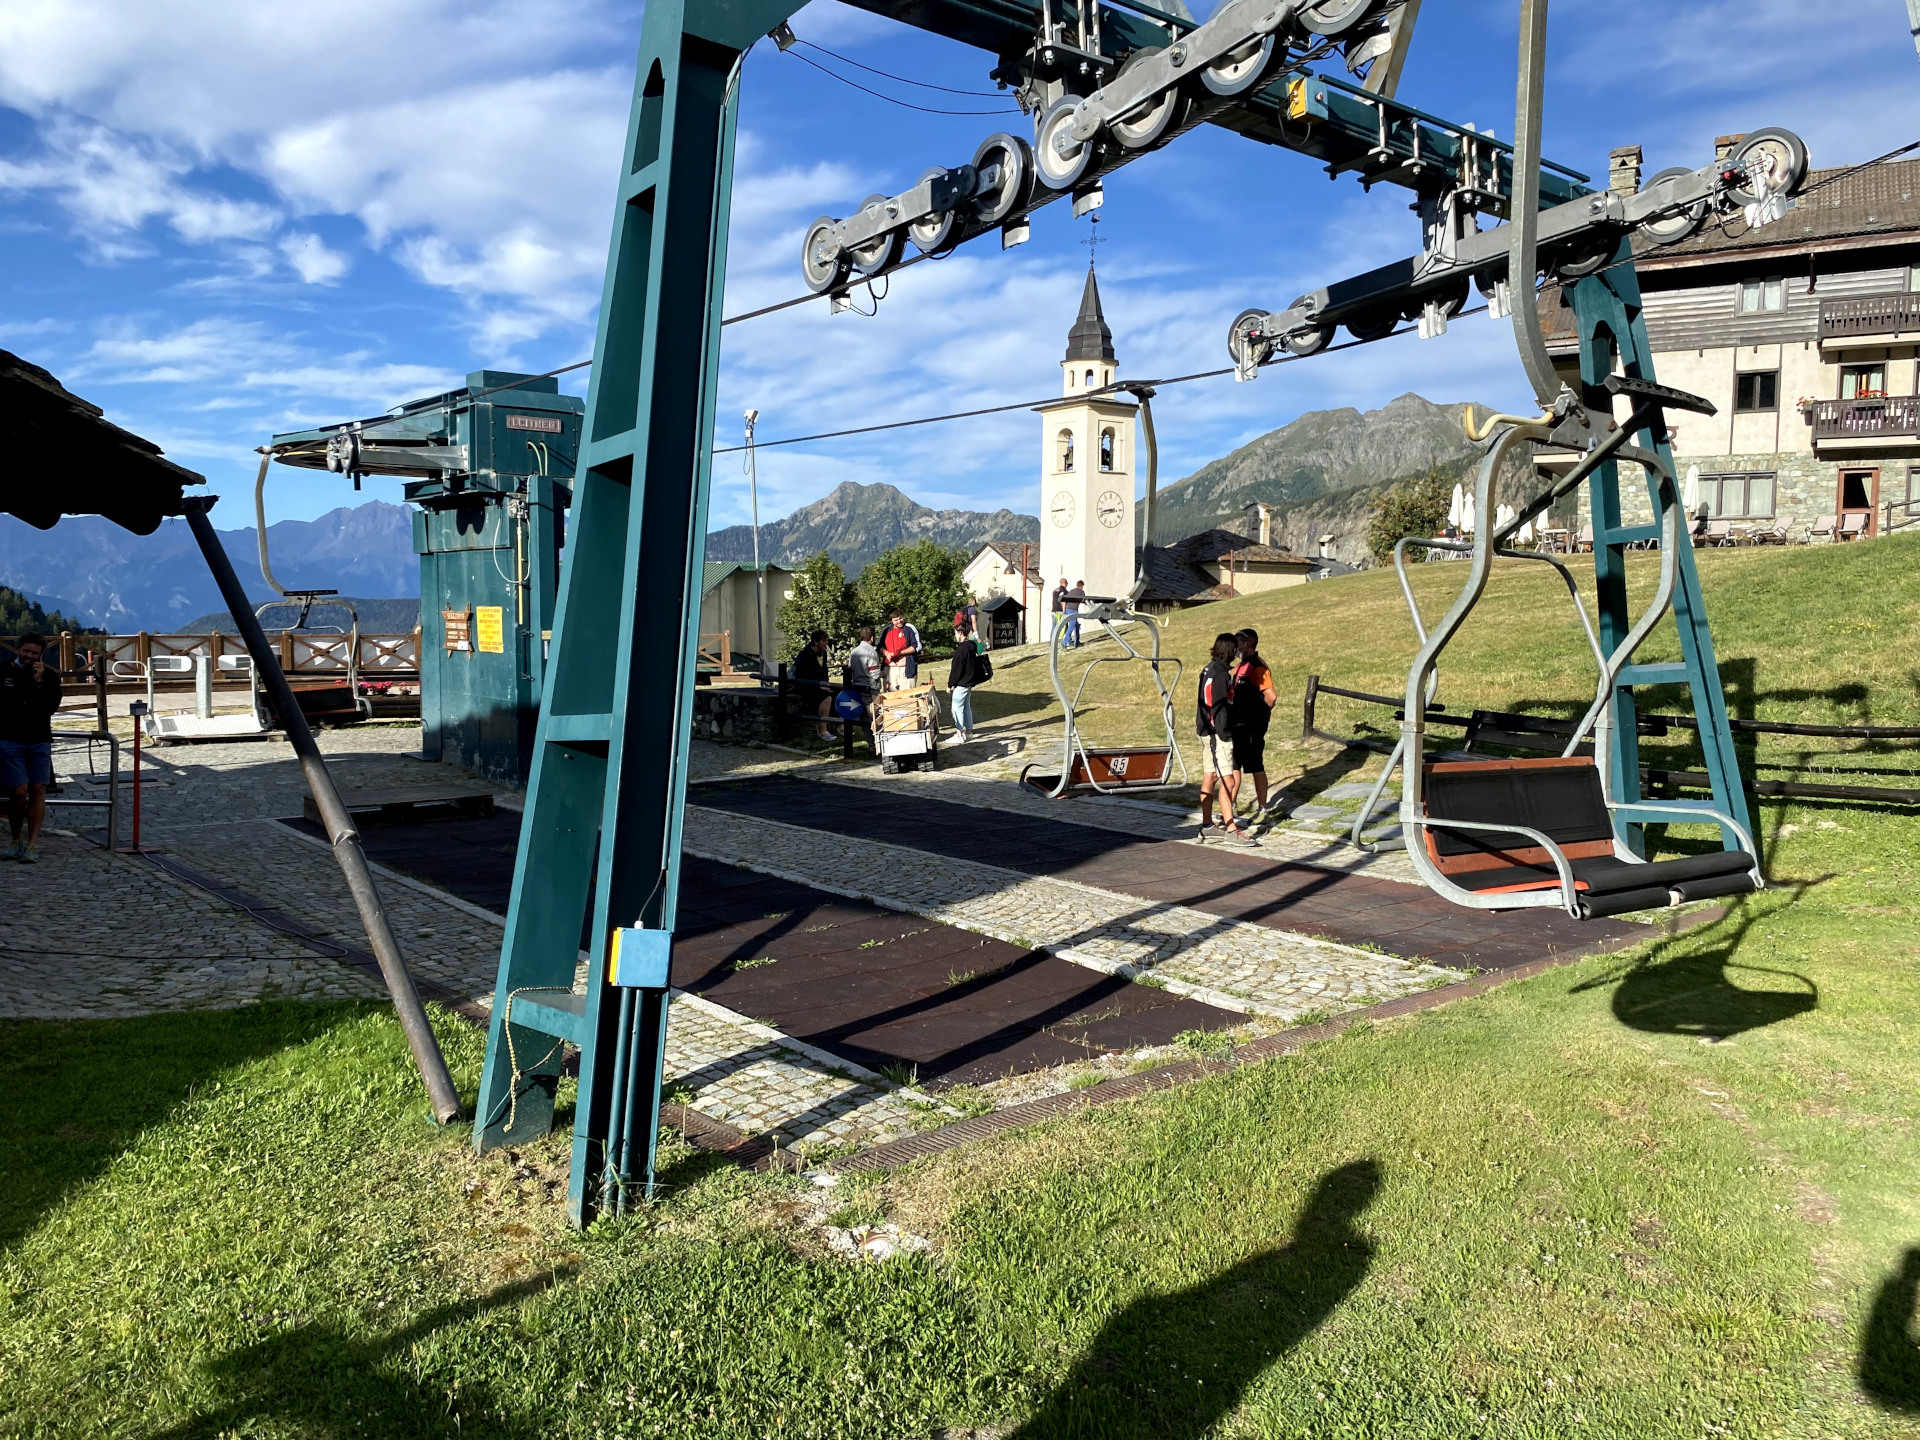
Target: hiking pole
x=340 y=828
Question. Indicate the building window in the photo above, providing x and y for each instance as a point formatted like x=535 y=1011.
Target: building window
x=1063 y=450
x=1746 y=496
x=1765 y=294
x=1756 y=390
x=1109 y=450
x=1913 y=277
x=1863 y=382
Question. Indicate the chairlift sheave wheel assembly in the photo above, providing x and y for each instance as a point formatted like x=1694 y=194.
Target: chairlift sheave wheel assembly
x=1373 y=324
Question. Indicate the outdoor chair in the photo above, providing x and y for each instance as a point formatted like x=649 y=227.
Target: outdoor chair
x=1585 y=542
x=1719 y=532
x=1823 y=526
x=1779 y=533
x=1854 y=525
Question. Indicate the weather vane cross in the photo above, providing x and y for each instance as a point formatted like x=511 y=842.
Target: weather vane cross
x=1093 y=240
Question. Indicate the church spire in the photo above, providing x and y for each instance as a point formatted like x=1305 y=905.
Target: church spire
x=1090 y=339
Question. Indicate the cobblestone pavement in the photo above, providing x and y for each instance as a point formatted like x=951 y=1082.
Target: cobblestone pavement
x=1249 y=968
x=85 y=933
x=212 y=805
x=982 y=775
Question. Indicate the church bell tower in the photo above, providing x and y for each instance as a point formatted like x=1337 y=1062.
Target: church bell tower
x=1086 y=464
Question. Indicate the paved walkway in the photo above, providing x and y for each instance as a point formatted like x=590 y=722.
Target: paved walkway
x=1296 y=898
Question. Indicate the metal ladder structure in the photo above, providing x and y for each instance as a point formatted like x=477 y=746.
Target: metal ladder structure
x=599 y=857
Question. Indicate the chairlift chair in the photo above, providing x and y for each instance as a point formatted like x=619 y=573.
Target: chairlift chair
x=1541 y=833
x=1117 y=769
x=1112 y=769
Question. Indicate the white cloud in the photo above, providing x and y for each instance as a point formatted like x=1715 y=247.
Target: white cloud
x=311 y=260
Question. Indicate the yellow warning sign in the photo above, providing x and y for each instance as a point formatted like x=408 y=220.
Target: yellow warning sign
x=490 y=629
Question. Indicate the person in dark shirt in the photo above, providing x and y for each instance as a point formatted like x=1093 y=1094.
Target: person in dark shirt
x=1060 y=605
x=1074 y=599
x=1250 y=702
x=29 y=695
x=968 y=669
x=1216 y=746
x=812 y=687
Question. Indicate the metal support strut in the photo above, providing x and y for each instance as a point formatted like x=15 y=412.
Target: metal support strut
x=600 y=842
x=340 y=827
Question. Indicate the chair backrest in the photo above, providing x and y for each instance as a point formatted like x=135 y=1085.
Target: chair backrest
x=1855 y=523
x=1719 y=529
x=1561 y=797
x=1824 y=525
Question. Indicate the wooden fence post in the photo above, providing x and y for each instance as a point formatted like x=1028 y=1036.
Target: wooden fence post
x=1313 y=694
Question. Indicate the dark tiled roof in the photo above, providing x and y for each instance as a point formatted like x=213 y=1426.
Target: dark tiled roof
x=1009 y=551
x=1879 y=200
x=1217 y=544
x=68 y=459
x=1090 y=339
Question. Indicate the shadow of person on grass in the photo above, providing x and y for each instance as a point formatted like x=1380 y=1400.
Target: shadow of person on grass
x=326 y=1380
x=1889 y=1359
x=1173 y=1366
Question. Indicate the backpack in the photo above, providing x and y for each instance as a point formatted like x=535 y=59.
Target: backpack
x=982 y=666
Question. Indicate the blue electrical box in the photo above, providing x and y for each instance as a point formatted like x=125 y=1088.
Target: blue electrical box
x=640 y=959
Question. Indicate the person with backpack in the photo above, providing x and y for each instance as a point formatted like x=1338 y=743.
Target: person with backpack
x=1212 y=725
x=29 y=698
x=1250 y=701
x=970 y=667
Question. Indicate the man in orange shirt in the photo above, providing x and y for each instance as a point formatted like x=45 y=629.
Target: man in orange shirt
x=1250 y=702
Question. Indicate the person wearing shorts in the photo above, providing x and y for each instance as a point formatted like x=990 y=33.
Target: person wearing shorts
x=29 y=695
x=1250 y=701
x=1218 y=772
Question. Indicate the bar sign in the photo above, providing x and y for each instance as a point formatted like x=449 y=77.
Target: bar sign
x=543 y=424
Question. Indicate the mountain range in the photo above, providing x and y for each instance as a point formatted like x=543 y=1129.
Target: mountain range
x=1322 y=473
x=857 y=523
x=90 y=567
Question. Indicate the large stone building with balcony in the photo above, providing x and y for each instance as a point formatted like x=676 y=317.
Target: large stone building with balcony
x=1805 y=334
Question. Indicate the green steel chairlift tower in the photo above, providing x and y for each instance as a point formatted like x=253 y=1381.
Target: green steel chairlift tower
x=489 y=470
x=599 y=859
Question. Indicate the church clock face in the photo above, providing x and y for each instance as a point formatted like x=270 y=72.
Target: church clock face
x=1111 y=509
x=1062 y=510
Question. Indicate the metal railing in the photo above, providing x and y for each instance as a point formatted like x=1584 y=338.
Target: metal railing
x=302 y=652
x=1894 y=416
x=1862 y=316
x=1898 y=514
x=112 y=803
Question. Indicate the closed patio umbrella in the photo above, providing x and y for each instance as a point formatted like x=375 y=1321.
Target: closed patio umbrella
x=1692 y=497
x=1455 y=510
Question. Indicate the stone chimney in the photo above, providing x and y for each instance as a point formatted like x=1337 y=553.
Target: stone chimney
x=1623 y=170
x=1723 y=144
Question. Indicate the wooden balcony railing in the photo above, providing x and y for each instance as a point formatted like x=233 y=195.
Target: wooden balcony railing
x=1863 y=316
x=1894 y=418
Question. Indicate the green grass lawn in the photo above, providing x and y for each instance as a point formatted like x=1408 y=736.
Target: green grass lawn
x=1671 y=1193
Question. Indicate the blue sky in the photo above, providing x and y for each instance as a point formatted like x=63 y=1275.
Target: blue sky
x=217 y=224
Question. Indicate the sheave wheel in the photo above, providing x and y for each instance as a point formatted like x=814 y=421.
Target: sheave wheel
x=882 y=251
x=1775 y=161
x=1674 y=228
x=1374 y=324
x=1004 y=165
x=821 y=261
x=1147 y=126
x=935 y=235
x=1240 y=70
x=1333 y=17
x=1058 y=169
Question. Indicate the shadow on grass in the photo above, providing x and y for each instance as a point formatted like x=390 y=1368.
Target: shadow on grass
x=1173 y=1366
x=327 y=1381
x=1694 y=993
x=1889 y=1359
x=84 y=1091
